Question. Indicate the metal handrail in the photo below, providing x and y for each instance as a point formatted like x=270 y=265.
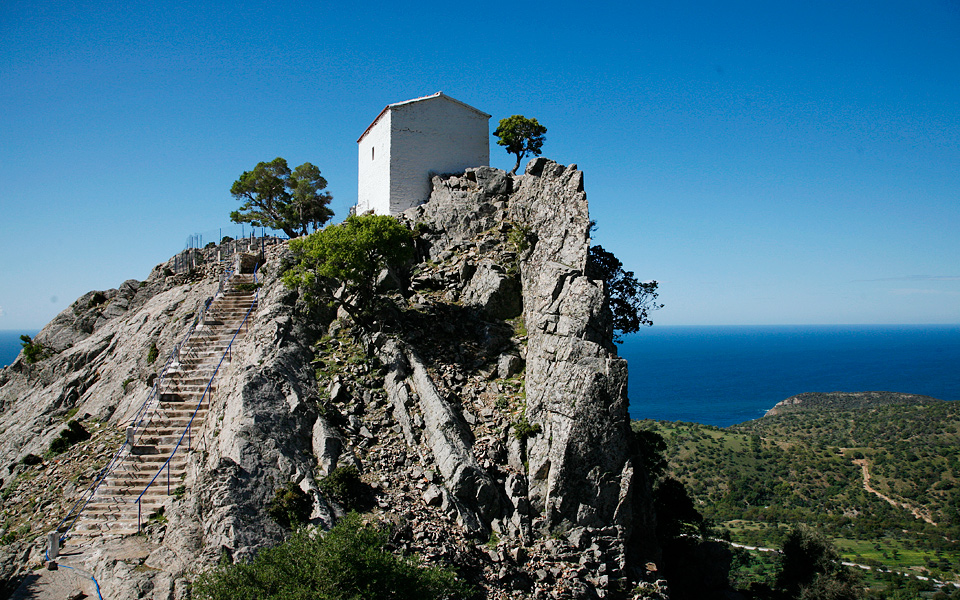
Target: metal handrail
x=138 y=420
x=188 y=429
x=109 y=467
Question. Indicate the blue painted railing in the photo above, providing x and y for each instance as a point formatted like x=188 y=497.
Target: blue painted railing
x=138 y=422
x=188 y=430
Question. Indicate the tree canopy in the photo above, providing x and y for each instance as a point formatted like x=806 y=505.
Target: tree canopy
x=274 y=196
x=352 y=253
x=810 y=568
x=631 y=301
x=520 y=135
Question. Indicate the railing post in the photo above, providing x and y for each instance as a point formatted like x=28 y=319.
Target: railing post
x=53 y=545
x=139 y=515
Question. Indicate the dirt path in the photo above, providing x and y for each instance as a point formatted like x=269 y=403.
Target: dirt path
x=862 y=462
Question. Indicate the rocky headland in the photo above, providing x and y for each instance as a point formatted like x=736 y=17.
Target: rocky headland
x=485 y=410
x=845 y=401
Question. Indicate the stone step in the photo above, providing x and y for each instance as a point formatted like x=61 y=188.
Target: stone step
x=130 y=492
x=186 y=393
x=195 y=377
x=179 y=409
x=170 y=421
x=147 y=452
x=183 y=399
x=122 y=485
x=122 y=505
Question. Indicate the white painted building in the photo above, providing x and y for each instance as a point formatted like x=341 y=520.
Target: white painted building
x=410 y=142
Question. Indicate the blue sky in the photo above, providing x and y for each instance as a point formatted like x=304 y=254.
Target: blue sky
x=767 y=162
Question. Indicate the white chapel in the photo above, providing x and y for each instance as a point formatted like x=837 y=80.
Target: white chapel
x=410 y=142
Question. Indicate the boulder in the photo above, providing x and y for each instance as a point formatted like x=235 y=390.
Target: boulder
x=493 y=291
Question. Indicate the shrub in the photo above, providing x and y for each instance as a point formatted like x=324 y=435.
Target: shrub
x=152 y=353
x=74 y=433
x=350 y=561
x=522 y=428
x=290 y=506
x=519 y=237
x=344 y=486
x=32 y=351
x=810 y=568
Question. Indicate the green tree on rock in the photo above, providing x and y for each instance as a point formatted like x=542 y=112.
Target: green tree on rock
x=352 y=254
x=520 y=135
x=274 y=196
x=631 y=301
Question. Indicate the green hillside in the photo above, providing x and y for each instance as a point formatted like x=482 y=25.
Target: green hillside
x=807 y=465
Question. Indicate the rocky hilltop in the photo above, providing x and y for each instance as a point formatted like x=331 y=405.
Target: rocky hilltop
x=486 y=410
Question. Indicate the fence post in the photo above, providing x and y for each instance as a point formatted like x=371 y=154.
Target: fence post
x=53 y=545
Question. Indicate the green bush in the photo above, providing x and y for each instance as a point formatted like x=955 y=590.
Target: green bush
x=32 y=351
x=522 y=428
x=290 y=506
x=350 y=561
x=152 y=353
x=344 y=486
x=74 y=433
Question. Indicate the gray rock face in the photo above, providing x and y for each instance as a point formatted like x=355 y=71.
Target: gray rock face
x=576 y=385
x=493 y=291
x=580 y=470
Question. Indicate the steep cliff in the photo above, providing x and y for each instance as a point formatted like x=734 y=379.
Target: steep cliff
x=486 y=409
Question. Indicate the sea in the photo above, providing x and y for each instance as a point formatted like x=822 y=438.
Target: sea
x=10 y=344
x=723 y=375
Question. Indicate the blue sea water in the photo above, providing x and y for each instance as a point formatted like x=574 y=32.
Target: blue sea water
x=10 y=345
x=726 y=375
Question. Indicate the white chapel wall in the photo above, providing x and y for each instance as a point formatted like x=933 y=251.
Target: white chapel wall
x=436 y=135
x=373 y=190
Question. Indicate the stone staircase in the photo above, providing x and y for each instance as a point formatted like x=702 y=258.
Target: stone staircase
x=113 y=510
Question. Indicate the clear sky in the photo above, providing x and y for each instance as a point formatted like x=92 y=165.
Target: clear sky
x=766 y=162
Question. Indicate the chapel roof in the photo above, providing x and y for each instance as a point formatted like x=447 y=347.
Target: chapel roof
x=420 y=99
